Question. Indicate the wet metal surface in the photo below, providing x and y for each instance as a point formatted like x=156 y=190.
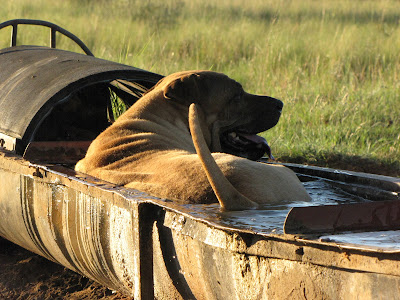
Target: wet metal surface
x=270 y=218
x=151 y=248
x=267 y=220
x=389 y=239
x=367 y=216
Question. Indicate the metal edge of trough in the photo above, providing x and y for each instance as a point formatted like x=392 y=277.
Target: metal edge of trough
x=379 y=181
x=112 y=235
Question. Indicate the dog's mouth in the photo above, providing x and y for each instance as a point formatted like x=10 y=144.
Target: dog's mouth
x=250 y=146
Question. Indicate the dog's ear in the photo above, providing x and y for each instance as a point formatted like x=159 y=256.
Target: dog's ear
x=184 y=89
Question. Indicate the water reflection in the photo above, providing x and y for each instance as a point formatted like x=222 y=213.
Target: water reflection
x=270 y=218
x=390 y=240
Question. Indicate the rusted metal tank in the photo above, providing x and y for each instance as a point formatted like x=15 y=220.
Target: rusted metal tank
x=148 y=247
x=49 y=94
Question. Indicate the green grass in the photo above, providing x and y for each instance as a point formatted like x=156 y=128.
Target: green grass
x=335 y=64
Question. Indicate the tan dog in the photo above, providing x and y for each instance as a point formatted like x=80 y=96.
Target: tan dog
x=150 y=147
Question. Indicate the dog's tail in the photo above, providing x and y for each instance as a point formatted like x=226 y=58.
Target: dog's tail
x=228 y=196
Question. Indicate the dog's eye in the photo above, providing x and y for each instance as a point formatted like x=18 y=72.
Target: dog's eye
x=237 y=97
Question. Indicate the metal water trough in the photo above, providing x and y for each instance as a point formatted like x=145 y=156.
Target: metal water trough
x=152 y=248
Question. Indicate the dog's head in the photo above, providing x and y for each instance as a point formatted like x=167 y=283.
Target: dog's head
x=232 y=116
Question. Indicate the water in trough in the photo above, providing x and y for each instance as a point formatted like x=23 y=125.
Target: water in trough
x=270 y=218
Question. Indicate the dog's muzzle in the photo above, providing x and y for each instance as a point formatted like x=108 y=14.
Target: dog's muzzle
x=249 y=146
x=243 y=140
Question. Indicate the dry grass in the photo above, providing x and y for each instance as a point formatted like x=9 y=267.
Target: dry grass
x=335 y=64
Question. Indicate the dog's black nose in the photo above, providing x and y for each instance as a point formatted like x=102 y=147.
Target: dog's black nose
x=279 y=104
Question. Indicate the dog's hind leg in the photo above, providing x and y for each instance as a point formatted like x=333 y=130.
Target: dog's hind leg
x=228 y=196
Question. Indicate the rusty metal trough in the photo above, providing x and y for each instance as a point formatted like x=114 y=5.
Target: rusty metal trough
x=148 y=247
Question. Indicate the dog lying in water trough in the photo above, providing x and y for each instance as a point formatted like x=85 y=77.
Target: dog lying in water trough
x=182 y=141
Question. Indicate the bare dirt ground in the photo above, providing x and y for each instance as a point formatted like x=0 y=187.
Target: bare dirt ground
x=25 y=275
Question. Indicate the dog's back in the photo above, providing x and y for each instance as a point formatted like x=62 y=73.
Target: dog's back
x=150 y=147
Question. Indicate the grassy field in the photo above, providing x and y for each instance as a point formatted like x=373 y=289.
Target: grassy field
x=335 y=64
